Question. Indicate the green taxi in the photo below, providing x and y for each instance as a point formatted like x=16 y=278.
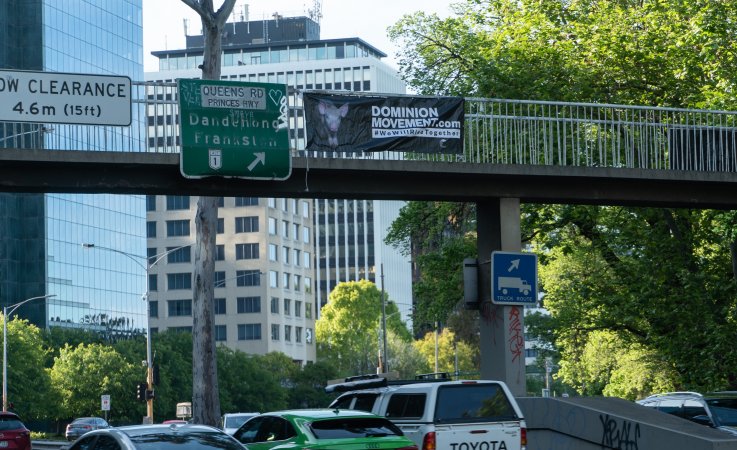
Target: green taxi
x=317 y=429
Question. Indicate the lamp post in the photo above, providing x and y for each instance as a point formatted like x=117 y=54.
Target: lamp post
x=6 y=311
x=149 y=358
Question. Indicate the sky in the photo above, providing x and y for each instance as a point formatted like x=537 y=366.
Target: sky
x=163 y=20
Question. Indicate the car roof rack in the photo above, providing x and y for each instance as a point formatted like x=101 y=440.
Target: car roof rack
x=371 y=381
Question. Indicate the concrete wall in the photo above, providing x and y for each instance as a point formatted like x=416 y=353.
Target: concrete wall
x=596 y=423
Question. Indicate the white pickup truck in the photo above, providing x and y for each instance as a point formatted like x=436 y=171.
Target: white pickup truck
x=447 y=415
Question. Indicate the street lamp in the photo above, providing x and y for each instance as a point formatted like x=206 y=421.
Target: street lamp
x=9 y=310
x=147 y=267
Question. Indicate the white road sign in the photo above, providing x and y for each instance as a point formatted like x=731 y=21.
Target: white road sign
x=54 y=97
x=105 y=400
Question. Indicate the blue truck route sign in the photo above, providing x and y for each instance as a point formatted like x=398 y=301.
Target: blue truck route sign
x=513 y=278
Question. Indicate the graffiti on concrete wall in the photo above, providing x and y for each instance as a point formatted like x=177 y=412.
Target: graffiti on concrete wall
x=620 y=434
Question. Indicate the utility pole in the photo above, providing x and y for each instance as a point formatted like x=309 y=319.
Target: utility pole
x=383 y=322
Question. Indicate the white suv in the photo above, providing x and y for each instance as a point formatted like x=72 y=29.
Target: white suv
x=446 y=414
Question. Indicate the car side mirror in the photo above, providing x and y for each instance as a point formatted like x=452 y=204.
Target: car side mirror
x=702 y=420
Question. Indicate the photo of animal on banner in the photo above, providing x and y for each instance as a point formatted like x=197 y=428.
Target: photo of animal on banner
x=373 y=123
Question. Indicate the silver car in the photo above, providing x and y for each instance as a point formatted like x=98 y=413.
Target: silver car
x=715 y=409
x=83 y=425
x=157 y=437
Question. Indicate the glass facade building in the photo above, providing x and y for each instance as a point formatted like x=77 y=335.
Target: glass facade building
x=41 y=251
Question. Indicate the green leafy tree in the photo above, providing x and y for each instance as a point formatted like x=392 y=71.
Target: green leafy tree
x=81 y=375
x=449 y=351
x=309 y=386
x=405 y=358
x=348 y=330
x=247 y=384
x=646 y=275
x=28 y=384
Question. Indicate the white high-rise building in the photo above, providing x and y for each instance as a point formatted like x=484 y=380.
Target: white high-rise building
x=332 y=241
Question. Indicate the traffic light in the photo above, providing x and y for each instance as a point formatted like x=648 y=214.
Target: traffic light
x=150 y=394
x=141 y=392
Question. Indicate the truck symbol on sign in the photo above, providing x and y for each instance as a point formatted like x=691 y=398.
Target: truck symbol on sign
x=506 y=283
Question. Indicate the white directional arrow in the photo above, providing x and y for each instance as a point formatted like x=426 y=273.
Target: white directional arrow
x=515 y=265
x=260 y=158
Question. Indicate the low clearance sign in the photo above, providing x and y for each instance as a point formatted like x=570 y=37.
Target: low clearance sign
x=53 y=97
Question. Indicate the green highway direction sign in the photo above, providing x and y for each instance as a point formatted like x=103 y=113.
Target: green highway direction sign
x=234 y=129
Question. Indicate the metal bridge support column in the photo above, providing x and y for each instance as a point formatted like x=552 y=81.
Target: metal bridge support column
x=502 y=334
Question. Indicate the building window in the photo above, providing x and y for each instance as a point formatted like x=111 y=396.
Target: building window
x=297 y=256
x=285 y=255
x=220 y=306
x=295 y=231
x=274 y=332
x=297 y=308
x=181 y=329
x=177 y=228
x=246 y=201
x=288 y=333
x=219 y=279
x=153 y=309
x=308 y=285
x=182 y=255
x=298 y=334
x=221 y=333
x=248 y=224
x=221 y=226
x=179 y=308
x=179 y=281
x=272 y=226
x=286 y=278
x=287 y=307
x=273 y=252
x=272 y=202
x=220 y=253
x=306 y=235
x=248 y=278
x=249 y=332
x=283 y=202
x=150 y=203
x=273 y=278
x=221 y=202
x=306 y=258
x=275 y=305
x=297 y=283
x=151 y=229
x=247 y=305
x=153 y=282
x=246 y=251
x=308 y=310
x=305 y=209
x=177 y=202
x=285 y=229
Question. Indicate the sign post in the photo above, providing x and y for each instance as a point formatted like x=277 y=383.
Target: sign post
x=234 y=129
x=105 y=404
x=513 y=278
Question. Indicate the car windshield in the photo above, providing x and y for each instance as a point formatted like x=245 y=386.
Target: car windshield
x=235 y=421
x=354 y=428
x=188 y=441
x=724 y=410
x=10 y=423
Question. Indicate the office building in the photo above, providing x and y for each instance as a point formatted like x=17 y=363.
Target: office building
x=264 y=300
x=41 y=236
x=347 y=241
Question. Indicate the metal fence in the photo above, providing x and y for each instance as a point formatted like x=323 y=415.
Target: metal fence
x=497 y=131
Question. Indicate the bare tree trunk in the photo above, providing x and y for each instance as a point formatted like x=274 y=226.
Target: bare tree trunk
x=205 y=392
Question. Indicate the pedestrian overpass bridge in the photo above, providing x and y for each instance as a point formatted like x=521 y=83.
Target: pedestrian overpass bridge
x=546 y=152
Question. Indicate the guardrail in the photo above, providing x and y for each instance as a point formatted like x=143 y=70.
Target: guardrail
x=497 y=131
x=48 y=445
